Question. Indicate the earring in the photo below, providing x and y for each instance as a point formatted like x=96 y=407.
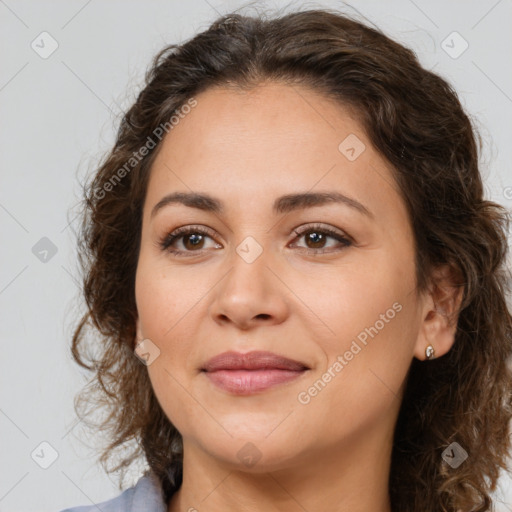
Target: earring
x=430 y=352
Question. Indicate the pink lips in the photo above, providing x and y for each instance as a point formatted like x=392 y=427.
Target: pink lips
x=243 y=374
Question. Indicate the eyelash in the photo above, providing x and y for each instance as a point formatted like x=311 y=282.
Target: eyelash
x=166 y=241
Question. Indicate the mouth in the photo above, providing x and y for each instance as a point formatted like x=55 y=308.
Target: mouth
x=252 y=372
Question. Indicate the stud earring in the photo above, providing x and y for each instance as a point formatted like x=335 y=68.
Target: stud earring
x=430 y=352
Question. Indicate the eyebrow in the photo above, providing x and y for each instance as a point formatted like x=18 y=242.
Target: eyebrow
x=283 y=204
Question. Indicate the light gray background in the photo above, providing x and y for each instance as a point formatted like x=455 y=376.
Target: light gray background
x=59 y=114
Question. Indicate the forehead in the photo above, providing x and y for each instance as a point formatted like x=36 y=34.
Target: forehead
x=248 y=147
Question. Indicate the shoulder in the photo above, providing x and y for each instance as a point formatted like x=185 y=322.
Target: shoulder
x=145 y=495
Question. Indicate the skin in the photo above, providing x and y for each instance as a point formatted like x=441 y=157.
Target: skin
x=333 y=453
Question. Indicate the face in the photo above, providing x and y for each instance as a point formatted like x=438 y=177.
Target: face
x=328 y=284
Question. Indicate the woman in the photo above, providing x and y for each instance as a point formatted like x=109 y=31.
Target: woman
x=299 y=285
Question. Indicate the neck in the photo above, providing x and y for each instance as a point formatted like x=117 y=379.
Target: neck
x=352 y=478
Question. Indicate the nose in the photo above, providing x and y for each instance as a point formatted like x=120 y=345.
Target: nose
x=250 y=294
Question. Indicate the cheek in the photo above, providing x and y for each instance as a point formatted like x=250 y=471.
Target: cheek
x=369 y=320
x=168 y=304
x=360 y=383
x=170 y=389
x=347 y=302
x=166 y=315
x=163 y=298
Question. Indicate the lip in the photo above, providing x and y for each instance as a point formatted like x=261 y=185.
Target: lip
x=255 y=360
x=252 y=372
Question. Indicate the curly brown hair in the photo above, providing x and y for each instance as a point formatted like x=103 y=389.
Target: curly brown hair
x=415 y=120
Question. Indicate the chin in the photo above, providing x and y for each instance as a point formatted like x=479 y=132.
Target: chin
x=253 y=456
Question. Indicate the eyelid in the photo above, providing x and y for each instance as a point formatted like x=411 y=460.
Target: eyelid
x=169 y=237
x=322 y=227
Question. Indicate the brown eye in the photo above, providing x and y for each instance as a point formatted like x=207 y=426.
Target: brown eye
x=316 y=238
x=192 y=238
x=195 y=240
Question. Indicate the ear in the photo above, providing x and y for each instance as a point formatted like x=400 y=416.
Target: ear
x=440 y=312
